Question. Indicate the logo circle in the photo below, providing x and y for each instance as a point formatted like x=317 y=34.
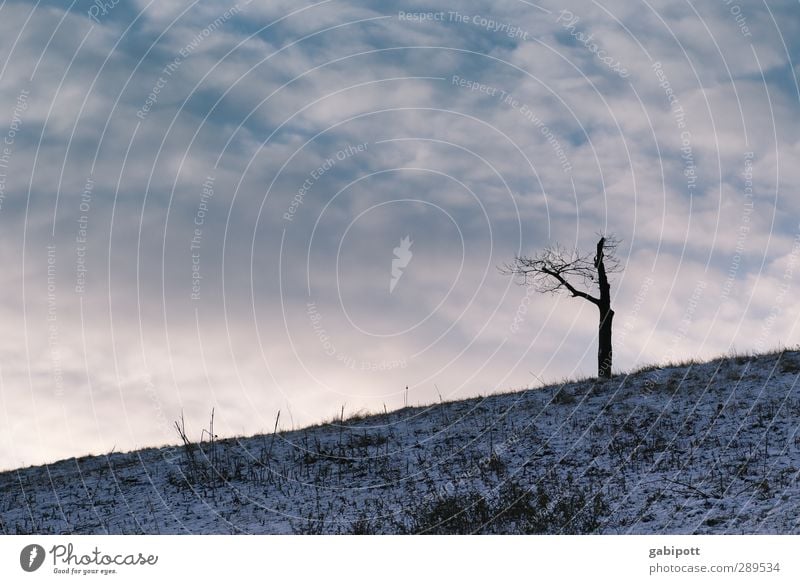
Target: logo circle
x=31 y=557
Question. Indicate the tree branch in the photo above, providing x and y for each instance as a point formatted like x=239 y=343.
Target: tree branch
x=575 y=292
x=555 y=268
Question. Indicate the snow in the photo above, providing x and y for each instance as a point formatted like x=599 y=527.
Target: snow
x=696 y=448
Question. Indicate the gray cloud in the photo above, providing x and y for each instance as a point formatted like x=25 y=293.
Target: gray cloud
x=128 y=119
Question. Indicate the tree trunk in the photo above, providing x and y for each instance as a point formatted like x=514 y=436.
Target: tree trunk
x=604 y=351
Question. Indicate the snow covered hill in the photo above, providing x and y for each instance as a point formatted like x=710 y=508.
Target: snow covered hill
x=695 y=448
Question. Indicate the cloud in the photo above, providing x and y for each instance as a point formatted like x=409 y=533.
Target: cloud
x=176 y=142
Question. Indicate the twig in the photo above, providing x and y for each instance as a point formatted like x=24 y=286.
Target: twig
x=539 y=378
x=274 y=431
x=693 y=488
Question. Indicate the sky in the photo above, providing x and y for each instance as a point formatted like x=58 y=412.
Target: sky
x=276 y=206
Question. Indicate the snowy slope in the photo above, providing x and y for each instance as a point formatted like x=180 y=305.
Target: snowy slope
x=701 y=448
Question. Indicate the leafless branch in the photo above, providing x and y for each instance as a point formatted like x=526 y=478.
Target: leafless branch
x=555 y=269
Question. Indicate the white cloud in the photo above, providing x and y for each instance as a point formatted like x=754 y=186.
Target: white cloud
x=139 y=349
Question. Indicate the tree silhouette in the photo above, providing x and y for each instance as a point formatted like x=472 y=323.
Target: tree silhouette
x=555 y=269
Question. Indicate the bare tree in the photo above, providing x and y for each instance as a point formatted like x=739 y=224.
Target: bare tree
x=555 y=269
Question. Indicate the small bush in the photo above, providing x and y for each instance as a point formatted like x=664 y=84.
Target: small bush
x=554 y=506
x=789 y=363
x=563 y=397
